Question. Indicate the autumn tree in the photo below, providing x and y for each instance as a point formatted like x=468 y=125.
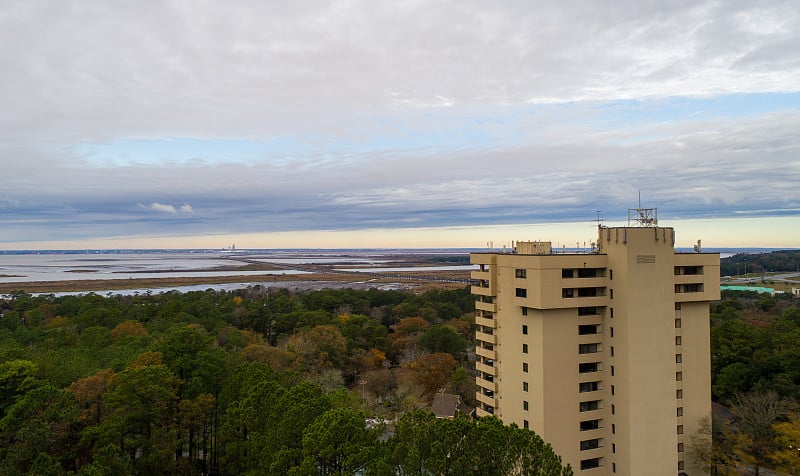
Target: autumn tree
x=433 y=371
x=406 y=336
x=90 y=394
x=318 y=347
x=786 y=453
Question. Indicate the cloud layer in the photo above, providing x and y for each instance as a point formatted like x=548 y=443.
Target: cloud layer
x=276 y=116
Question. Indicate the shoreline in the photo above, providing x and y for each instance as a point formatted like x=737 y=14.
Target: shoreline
x=91 y=285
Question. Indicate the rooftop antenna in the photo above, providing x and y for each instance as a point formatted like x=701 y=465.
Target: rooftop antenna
x=599 y=219
x=646 y=217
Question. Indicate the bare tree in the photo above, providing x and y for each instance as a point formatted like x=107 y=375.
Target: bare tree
x=755 y=413
x=712 y=446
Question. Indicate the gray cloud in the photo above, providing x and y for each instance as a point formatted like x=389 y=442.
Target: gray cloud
x=409 y=114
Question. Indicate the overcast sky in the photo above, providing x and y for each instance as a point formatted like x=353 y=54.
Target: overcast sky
x=204 y=123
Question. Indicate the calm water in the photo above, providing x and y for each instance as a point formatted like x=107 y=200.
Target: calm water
x=22 y=267
x=102 y=265
x=71 y=267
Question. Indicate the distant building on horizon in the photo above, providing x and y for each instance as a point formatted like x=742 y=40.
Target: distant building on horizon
x=604 y=354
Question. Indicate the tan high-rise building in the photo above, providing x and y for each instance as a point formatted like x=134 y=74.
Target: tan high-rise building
x=605 y=354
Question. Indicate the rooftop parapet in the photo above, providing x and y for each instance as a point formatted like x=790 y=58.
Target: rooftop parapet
x=533 y=247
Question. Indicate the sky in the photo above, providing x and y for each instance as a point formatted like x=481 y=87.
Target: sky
x=356 y=123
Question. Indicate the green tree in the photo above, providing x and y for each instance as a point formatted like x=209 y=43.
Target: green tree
x=108 y=461
x=411 y=446
x=337 y=443
x=42 y=421
x=17 y=378
x=443 y=339
x=142 y=405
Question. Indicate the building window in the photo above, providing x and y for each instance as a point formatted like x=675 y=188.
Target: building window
x=611 y=275
x=680 y=429
x=612 y=390
x=688 y=270
x=680 y=465
x=677 y=323
x=587 y=311
x=680 y=447
x=567 y=293
x=689 y=288
x=613 y=409
x=588 y=348
x=586 y=329
x=611 y=329
x=525 y=329
x=525 y=424
x=521 y=292
x=566 y=273
x=680 y=411
x=678 y=358
x=613 y=467
x=520 y=273
x=612 y=313
x=524 y=386
x=525 y=367
x=679 y=393
x=590 y=463
x=678 y=340
x=677 y=306
x=590 y=444
x=588 y=425
x=612 y=370
x=678 y=376
x=524 y=348
x=611 y=293
x=613 y=429
x=588 y=387
x=589 y=406
x=524 y=311
x=525 y=406
x=612 y=351
x=613 y=448
x=590 y=292
x=587 y=367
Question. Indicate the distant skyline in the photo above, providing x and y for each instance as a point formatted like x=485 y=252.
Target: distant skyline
x=199 y=124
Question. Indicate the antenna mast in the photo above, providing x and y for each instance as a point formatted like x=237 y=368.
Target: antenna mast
x=646 y=217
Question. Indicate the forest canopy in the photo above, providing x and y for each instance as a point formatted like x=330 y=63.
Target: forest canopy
x=256 y=381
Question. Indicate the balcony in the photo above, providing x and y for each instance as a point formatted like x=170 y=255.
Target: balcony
x=481 y=291
x=483 y=383
x=486 y=306
x=487 y=353
x=485 y=322
x=487 y=369
x=482 y=336
x=480 y=275
x=588 y=301
x=491 y=401
x=688 y=278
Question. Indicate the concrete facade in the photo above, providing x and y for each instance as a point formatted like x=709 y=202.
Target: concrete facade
x=603 y=354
